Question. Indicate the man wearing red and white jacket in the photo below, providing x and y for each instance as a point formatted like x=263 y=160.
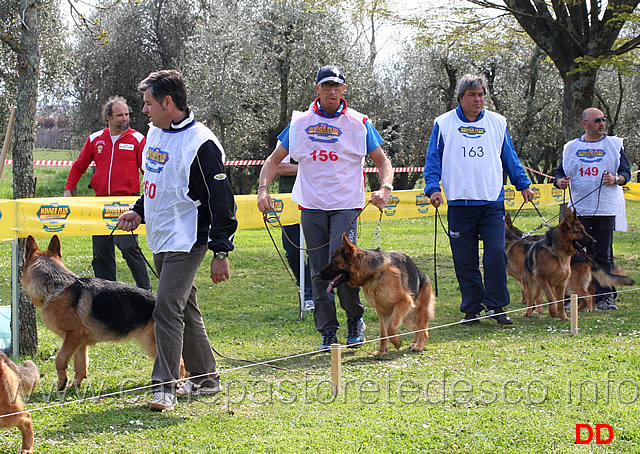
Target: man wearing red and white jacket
x=117 y=153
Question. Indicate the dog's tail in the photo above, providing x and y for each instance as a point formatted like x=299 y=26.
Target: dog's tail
x=30 y=376
x=9 y=393
x=27 y=374
x=606 y=279
x=431 y=305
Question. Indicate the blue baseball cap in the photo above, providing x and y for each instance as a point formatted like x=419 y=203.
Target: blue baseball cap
x=330 y=74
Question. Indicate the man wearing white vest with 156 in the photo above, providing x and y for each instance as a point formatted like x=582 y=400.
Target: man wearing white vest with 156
x=330 y=142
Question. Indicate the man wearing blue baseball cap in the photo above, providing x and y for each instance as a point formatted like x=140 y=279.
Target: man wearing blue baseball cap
x=330 y=142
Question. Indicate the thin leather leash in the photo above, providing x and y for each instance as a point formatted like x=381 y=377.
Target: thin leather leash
x=273 y=215
x=156 y=275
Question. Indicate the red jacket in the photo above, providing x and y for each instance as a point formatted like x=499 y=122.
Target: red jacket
x=117 y=168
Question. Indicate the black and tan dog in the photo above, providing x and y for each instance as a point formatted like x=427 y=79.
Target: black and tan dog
x=14 y=381
x=583 y=272
x=517 y=245
x=394 y=287
x=84 y=311
x=583 y=268
x=547 y=265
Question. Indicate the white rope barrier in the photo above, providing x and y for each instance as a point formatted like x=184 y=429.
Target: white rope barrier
x=284 y=358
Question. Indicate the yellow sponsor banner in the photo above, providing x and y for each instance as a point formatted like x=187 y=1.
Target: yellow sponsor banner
x=64 y=216
x=83 y=216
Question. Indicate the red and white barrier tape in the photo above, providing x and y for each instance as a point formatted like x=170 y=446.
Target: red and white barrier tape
x=240 y=162
x=539 y=173
x=259 y=162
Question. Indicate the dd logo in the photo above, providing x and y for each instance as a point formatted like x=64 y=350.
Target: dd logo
x=599 y=438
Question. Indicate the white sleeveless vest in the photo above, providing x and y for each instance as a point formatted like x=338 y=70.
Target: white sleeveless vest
x=585 y=162
x=330 y=154
x=170 y=215
x=471 y=164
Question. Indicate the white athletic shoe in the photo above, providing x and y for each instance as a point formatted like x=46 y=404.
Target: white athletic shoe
x=194 y=389
x=162 y=402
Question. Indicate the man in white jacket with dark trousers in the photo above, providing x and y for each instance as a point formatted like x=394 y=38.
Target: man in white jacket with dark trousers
x=188 y=208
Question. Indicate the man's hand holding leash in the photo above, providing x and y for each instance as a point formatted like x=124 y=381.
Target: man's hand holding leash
x=129 y=221
x=436 y=199
x=265 y=204
x=563 y=183
x=527 y=195
x=381 y=197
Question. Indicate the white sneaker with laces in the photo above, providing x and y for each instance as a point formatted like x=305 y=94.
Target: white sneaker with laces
x=162 y=402
x=194 y=389
x=308 y=305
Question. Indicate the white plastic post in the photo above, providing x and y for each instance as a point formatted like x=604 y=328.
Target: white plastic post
x=302 y=282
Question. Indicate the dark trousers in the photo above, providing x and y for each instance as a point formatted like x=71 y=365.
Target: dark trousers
x=292 y=253
x=319 y=227
x=601 y=229
x=465 y=224
x=104 y=265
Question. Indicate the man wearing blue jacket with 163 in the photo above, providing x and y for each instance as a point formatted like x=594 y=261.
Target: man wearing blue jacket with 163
x=469 y=149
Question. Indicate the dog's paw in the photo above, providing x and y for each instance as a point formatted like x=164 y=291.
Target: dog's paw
x=380 y=352
x=415 y=348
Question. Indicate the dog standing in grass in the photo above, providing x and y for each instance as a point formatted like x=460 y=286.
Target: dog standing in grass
x=14 y=381
x=547 y=265
x=394 y=287
x=84 y=311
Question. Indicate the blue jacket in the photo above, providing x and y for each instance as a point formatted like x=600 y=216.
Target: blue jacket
x=433 y=164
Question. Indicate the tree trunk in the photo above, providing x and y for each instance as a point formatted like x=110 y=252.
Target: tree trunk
x=24 y=139
x=579 y=88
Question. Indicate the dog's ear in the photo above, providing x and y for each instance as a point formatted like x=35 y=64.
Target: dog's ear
x=349 y=249
x=345 y=239
x=507 y=220
x=30 y=248
x=54 y=246
x=568 y=217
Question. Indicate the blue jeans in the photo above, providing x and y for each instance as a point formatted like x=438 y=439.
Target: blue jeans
x=465 y=224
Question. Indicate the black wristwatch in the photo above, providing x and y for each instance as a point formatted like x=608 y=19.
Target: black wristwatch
x=220 y=255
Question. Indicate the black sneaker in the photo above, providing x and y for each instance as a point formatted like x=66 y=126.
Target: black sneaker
x=356 y=327
x=567 y=307
x=328 y=338
x=471 y=318
x=499 y=316
x=606 y=304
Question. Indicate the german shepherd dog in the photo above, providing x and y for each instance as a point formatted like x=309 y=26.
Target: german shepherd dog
x=14 y=381
x=547 y=265
x=84 y=311
x=583 y=268
x=517 y=245
x=583 y=272
x=392 y=284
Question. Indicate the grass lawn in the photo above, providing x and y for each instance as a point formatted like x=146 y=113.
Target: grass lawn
x=475 y=389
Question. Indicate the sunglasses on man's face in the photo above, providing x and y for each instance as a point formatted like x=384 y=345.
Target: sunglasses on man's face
x=600 y=120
